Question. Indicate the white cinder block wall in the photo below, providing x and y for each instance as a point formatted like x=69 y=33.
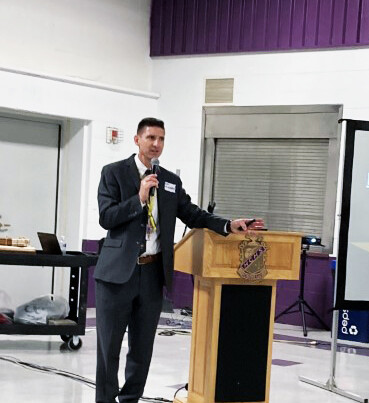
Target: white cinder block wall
x=99 y=40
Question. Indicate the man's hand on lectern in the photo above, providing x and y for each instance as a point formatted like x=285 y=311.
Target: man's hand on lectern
x=244 y=225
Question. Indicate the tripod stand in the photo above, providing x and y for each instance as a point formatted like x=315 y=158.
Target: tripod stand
x=301 y=302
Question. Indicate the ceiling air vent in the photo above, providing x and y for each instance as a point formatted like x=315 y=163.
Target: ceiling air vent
x=219 y=90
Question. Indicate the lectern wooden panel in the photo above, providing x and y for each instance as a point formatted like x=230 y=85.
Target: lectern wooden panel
x=233 y=318
x=209 y=255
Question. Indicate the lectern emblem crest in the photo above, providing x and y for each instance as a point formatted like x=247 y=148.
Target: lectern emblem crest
x=252 y=258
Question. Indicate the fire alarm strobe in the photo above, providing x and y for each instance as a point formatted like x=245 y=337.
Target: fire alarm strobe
x=114 y=135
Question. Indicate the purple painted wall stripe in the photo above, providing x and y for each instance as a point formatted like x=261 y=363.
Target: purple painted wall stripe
x=184 y=27
x=364 y=26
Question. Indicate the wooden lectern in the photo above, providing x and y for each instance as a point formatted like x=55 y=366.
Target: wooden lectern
x=233 y=318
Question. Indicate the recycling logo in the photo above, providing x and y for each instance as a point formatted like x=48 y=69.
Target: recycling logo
x=353 y=330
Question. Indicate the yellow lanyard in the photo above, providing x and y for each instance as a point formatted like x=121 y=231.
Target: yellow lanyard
x=150 y=208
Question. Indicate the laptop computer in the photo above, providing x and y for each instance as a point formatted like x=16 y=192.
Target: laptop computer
x=49 y=243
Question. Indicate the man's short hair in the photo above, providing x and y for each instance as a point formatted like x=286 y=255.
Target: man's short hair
x=150 y=122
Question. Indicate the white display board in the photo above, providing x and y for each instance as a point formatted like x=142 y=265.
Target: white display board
x=353 y=255
x=357 y=268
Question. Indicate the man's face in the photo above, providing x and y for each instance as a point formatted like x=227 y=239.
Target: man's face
x=150 y=142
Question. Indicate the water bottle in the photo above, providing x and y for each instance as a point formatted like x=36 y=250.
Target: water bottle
x=63 y=244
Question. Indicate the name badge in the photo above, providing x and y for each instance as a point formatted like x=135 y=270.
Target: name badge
x=170 y=187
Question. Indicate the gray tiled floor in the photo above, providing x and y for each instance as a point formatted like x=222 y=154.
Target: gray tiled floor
x=170 y=369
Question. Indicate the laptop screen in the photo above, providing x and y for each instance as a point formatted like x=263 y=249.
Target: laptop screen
x=50 y=244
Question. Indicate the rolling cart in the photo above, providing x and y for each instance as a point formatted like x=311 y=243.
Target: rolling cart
x=78 y=263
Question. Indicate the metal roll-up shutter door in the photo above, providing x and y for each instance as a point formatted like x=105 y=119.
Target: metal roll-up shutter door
x=281 y=180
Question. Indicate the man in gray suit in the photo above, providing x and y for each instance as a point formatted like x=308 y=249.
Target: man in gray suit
x=136 y=259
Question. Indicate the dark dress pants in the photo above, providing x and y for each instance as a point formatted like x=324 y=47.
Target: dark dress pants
x=135 y=304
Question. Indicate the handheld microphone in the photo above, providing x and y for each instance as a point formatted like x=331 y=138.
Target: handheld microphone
x=155 y=170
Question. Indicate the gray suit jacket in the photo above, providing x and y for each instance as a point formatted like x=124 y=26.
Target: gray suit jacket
x=121 y=214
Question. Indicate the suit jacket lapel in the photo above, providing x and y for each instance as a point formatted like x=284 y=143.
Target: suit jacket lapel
x=134 y=172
